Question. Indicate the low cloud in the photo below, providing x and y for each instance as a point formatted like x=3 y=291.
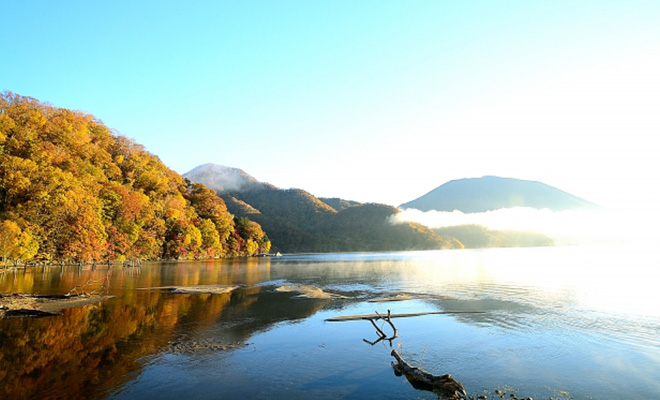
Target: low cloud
x=564 y=227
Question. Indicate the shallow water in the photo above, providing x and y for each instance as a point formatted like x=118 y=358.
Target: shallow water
x=562 y=322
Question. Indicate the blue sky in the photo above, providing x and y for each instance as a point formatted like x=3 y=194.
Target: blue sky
x=376 y=101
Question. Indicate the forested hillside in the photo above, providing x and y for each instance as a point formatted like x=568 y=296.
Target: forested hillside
x=72 y=190
x=297 y=221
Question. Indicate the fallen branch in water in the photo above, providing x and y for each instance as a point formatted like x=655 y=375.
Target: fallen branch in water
x=420 y=379
x=379 y=331
x=377 y=316
x=84 y=289
x=445 y=385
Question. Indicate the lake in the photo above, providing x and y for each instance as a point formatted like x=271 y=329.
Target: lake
x=557 y=322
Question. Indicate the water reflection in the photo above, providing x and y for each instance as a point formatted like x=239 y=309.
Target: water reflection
x=88 y=351
x=551 y=313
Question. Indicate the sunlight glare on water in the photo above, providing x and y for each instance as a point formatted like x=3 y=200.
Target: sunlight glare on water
x=621 y=280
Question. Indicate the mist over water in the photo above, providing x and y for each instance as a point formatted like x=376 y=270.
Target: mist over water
x=597 y=226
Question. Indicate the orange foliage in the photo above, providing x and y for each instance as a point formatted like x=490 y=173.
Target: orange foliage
x=87 y=194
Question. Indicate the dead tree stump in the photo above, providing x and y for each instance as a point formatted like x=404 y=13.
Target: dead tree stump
x=444 y=384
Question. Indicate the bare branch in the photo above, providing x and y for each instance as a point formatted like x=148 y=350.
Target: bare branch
x=84 y=289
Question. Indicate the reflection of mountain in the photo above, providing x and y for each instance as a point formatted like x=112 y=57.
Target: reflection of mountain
x=297 y=221
x=88 y=351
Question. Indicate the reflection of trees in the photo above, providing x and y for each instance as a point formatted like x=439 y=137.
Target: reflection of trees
x=88 y=351
x=269 y=308
x=59 y=280
x=87 y=348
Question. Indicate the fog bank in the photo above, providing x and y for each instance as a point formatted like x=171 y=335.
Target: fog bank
x=564 y=227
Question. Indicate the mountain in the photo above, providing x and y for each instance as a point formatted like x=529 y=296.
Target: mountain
x=221 y=178
x=72 y=190
x=297 y=221
x=492 y=193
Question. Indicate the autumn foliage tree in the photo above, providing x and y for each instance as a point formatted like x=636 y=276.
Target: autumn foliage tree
x=78 y=192
x=16 y=244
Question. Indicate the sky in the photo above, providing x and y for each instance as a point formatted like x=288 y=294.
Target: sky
x=374 y=101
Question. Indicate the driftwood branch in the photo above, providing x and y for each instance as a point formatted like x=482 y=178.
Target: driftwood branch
x=378 y=330
x=420 y=379
x=84 y=289
x=389 y=321
x=444 y=385
x=381 y=334
x=375 y=317
x=378 y=316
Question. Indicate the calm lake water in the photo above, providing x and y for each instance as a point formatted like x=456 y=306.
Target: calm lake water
x=561 y=322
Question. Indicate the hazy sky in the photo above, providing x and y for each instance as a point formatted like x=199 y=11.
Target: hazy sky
x=367 y=100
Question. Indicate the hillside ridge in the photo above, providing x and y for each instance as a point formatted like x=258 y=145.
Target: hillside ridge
x=297 y=221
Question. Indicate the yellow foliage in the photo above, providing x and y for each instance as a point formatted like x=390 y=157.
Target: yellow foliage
x=9 y=237
x=88 y=194
x=252 y=247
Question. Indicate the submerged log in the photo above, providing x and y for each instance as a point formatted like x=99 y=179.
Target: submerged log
x=420 y=379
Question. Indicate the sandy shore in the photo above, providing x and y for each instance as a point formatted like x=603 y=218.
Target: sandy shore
x=309 y=292
x=34 y=305
x=199 y=289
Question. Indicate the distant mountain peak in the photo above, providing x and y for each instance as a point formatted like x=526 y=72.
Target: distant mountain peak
x=490 y=192
x=222 y=178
